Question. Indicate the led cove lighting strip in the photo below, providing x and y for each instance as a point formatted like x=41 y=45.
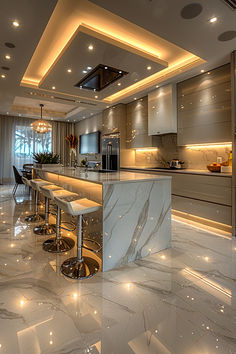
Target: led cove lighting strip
x=208 y=146
x=146 y=149
x=208 y=282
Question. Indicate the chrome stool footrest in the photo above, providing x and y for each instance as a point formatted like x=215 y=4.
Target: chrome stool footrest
x=34 y=218
x=55 y=245
x=94 y=243
x=74 y=269
x=45 y=229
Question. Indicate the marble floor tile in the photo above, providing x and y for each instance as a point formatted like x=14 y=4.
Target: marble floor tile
x=179 y=301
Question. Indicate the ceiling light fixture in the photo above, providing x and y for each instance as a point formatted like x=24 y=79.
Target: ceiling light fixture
x=69 y=70
x=90 y=47
x=202 y=71
x=84 y=71
x=89 y=67
x=119 y=84
x=7 y=56
x=213 y=19
x=15 y=23
x=135 y=98
x=41 y=126
x=3 y=76
x=157 y=86
x=149 y=67
x=96 y=96
x=54 y=87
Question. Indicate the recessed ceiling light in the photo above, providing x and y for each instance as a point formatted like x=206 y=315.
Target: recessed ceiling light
x=3 y=76
x=105 y=67
x=53 y=87
x=213 y=19
x=90 y=47
x=157 y=86
x=135 y=98
x=202 y=71
x=208 y=73
x=7 y=113
x=119 y=84
x=96 y=96
x=69 y=70
x=7 y=56
x=15 y=23
x=89 y=67
x=107 y=106
x=120 y=72
x=149 y=67
x=84 y=71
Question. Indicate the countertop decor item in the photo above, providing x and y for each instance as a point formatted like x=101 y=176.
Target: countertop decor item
x=45 y=158
x=73 y=142
x=214 y=167
x=41 y=126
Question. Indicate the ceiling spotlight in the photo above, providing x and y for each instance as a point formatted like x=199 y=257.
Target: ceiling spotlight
x=53 y=87
x=3 y=76
x=105 y=67
x=107 y=107
x=69 y=70
x=202 y=71
x=120 y=72
x=89 y=67
x=96 y=96
x=213 y=19
x=90 y=47
x=7 y=56
x=84 y=71
x=135 y=98
x=157 y=86
x=15 y=23
x=149 y=67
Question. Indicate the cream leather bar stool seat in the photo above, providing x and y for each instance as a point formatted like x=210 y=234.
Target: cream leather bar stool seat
x=78 y=267
x=59 y=243
x=33 y=184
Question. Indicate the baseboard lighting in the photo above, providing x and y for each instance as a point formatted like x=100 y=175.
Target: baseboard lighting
x=208 y=146
x=208 y=282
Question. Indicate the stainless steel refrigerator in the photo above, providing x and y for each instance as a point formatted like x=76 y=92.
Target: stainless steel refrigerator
x=111 y=152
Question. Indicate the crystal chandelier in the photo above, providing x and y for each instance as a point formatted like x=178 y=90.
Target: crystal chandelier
x=41 y=126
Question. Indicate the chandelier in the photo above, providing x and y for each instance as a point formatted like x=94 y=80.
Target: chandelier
x=41 y=126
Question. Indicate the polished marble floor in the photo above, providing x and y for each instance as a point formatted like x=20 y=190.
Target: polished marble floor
x=181 y=300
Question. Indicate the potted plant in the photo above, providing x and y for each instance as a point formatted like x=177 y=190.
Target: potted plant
x=45 y=159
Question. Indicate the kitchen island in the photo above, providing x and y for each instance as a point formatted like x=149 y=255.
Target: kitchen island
x=135 y=218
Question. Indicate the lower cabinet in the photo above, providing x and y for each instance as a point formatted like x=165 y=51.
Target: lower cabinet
x=208 y=197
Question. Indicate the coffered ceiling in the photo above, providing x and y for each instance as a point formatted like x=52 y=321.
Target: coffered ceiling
x=57 y=43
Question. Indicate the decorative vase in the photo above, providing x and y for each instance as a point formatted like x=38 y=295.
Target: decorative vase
x=72 y=156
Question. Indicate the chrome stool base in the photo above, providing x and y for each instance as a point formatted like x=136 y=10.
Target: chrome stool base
x=54 y=245
x=45 y=229
x=74 y=269
x=34 y=218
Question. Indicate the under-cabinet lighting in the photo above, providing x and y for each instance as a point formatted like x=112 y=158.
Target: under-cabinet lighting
x=207 y=146
x=146 y=149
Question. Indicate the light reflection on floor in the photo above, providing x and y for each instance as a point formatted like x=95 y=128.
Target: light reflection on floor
x=181 y=300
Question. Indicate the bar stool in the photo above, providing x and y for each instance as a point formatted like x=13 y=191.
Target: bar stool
x=78 y=267
x=33 y=183
x=59 y=243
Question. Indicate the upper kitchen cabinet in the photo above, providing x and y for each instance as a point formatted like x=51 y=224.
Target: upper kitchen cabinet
x=162 y=111
x=137 y=125
x=204 y=108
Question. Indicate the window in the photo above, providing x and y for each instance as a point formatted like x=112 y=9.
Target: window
x=27 y=142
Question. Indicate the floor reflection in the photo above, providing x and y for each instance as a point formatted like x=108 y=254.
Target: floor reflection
x=181 y=300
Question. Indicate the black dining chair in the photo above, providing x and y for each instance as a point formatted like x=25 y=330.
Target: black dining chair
x=18 y=180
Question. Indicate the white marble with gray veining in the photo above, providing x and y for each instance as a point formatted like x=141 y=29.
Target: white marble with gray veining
x=150 y=306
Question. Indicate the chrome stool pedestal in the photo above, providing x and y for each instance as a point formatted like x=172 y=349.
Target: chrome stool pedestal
x=79 y=267
x=58 y=244
x=45 y=229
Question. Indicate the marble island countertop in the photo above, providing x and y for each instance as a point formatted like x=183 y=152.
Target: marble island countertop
x=186 y=170
x=102 y=178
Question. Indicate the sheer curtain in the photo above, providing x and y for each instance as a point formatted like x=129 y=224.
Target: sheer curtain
x=18 y=142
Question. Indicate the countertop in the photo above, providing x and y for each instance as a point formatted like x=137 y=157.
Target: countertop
x=189 y=171
x=103 y=178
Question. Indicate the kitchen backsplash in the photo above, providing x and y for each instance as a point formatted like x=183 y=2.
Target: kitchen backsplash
x=167 y=150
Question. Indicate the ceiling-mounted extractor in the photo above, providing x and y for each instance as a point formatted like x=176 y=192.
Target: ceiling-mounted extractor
x=100 y=77
x=41 y=126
